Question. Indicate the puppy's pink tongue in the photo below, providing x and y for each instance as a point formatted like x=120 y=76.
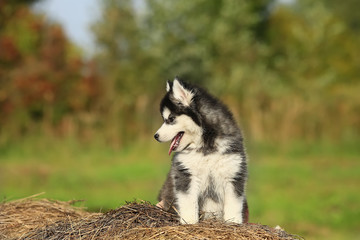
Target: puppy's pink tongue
x=175 y=142
x=172 y=145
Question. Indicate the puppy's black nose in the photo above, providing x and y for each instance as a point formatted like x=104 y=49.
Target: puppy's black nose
x=156 y=136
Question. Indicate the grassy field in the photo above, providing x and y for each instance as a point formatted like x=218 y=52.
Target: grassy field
x=310 y=190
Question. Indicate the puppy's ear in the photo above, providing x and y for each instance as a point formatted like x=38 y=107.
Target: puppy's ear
x=168 y=85
x=181 y=93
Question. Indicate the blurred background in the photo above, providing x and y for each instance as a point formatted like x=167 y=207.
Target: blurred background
x=81 y=81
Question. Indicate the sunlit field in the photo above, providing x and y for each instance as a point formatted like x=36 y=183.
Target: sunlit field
x=308 y=189
x=288 y=70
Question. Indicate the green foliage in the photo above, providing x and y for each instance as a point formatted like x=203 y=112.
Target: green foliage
x=204 y=41
x=346 y=12
x=316 y=73
x=288 y=72
x=127 y=77
x=292 y=71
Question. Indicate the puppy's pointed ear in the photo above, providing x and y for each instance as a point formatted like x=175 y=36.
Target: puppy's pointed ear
x=181 y=93
x=168 y=85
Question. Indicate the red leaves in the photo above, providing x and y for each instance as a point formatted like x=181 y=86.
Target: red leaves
x=9 y=52
x=39 y=69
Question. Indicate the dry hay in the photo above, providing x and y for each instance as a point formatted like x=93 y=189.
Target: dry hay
x=44 y=219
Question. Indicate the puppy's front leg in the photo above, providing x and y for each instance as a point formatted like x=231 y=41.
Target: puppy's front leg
x=187 y=195
x=233 y=205
x=188 y=207
x=186 y=189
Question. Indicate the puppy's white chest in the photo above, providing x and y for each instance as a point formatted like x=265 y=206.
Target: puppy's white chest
x=217 y=166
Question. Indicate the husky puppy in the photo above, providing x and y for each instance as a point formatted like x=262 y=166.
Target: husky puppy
x=209 y=168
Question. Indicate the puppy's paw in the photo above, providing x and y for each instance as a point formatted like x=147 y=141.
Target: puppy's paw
x=189 y=218
x=160 y=204
x=188 y=221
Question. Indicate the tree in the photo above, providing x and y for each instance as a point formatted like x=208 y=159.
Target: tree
x=41 y=76
x=204 y=41
x=313 y=56
x=207 y=42
x=121 y=61
x=346 y=12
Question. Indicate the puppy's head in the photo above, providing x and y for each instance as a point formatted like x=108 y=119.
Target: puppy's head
x=181 y=123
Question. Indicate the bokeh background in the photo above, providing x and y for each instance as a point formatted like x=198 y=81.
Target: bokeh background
x=77 y=118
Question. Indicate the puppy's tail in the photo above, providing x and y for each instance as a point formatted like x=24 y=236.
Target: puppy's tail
x=245 y=212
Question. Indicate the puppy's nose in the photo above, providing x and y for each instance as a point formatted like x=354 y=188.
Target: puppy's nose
x=156 y=136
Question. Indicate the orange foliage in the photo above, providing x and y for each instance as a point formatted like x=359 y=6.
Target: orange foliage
x=41 y=80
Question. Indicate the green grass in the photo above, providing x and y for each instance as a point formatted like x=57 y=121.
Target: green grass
x=104 y=177
x=310 y=190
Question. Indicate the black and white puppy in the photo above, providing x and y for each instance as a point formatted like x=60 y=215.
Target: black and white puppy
x=209 y=168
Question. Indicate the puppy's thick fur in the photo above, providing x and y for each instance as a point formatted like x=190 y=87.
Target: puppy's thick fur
x=209 y=168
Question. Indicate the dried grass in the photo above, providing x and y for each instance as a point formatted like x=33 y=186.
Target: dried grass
x=44 y=219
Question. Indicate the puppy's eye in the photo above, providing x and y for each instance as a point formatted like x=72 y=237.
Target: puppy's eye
x=171 y=119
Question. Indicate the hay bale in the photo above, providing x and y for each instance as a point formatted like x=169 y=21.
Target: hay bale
x=17 y=218
x=44 y=219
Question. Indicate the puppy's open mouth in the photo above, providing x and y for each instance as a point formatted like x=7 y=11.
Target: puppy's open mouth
x=175 y=142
